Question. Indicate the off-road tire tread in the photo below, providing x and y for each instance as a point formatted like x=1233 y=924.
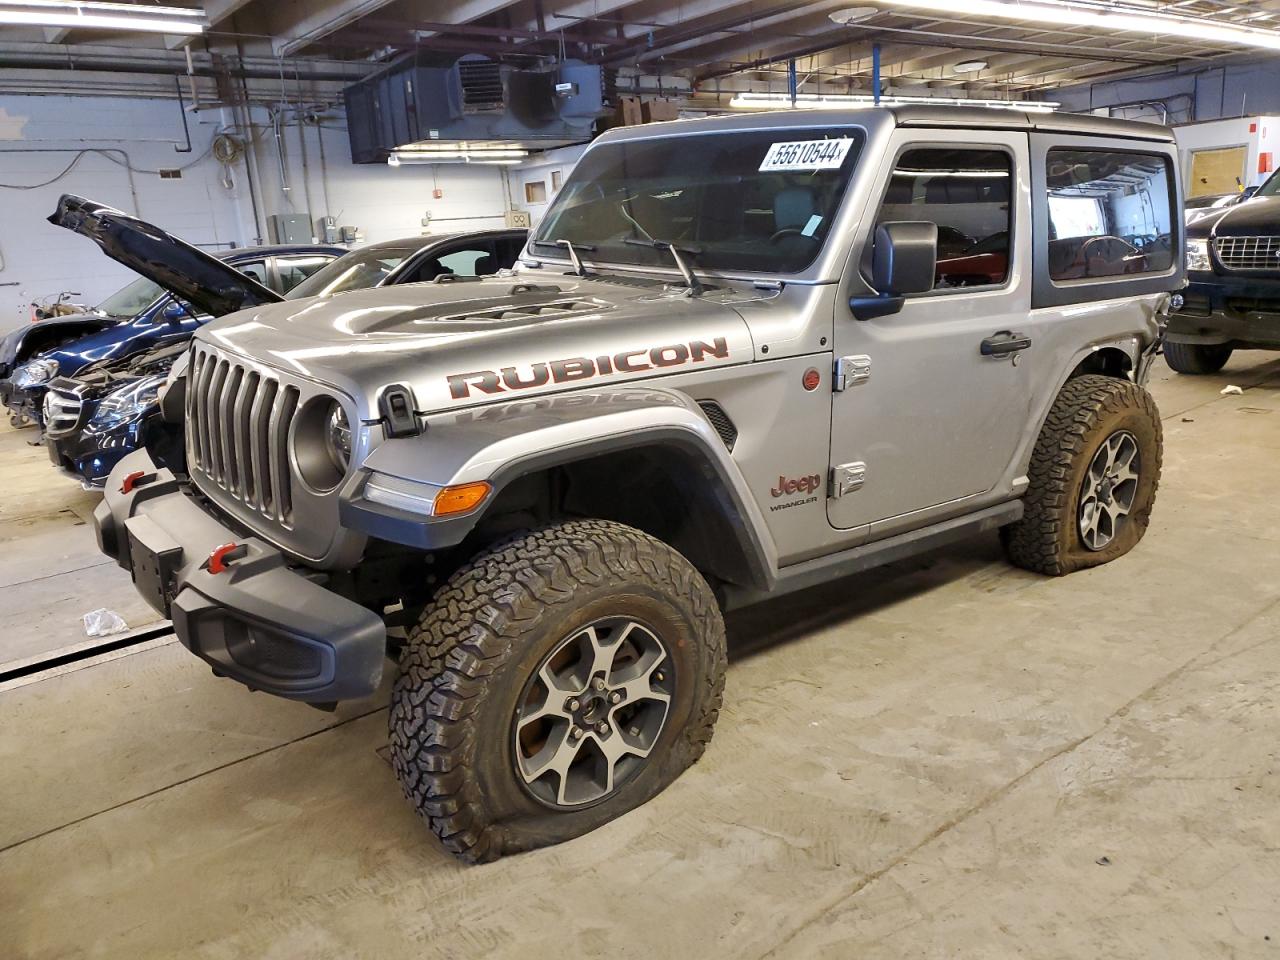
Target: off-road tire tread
x=1038 y=541
x=474 y=624
x=1196 y=359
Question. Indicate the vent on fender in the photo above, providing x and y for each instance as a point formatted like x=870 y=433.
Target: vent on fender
x=720 y=420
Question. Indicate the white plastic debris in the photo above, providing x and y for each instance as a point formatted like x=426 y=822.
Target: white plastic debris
x=103 y=623
x=1231 y=390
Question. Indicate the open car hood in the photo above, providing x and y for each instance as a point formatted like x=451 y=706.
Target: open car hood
x=192 y=275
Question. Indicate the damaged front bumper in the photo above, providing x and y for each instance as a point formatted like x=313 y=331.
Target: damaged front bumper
x=234 y=600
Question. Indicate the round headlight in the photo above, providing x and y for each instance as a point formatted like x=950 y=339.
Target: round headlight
x=337 y=437
x=322 y=441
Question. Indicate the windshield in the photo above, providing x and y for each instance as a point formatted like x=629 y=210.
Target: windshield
x=131 y=300
x=1270 y=187
x=354 y=271
x=756 y=201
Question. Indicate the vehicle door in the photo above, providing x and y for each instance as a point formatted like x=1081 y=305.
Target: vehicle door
x=935 y=396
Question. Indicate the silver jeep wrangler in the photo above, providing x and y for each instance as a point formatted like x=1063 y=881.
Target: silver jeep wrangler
x=739 y=357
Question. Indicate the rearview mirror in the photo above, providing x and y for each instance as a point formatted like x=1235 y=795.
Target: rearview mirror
x=904 y=260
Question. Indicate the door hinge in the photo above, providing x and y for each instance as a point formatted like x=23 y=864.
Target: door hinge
x=847 y=477
x=851 y=370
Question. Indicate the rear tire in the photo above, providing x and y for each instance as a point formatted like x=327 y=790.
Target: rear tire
x=560 y=679
x=1197 y=358
x=1094 y=474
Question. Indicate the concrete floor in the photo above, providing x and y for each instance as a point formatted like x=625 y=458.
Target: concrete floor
x=946 y=758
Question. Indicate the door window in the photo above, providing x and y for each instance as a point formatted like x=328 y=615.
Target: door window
x=470 y=261
x=256 y=269
x=293 y=270
x=966 y=192
x=1109 y=213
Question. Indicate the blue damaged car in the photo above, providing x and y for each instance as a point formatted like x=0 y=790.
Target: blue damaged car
x=209 y=285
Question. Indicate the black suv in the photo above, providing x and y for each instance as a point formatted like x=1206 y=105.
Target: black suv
x=1233 y=292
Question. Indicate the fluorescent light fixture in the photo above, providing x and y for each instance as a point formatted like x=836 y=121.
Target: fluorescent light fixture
x=493 y=156
x=496 y=153
x=1102 y=16
x=96 y=15
x=970 y=66
x=836 y=101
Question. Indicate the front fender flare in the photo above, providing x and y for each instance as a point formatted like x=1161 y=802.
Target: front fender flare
x=503 y=442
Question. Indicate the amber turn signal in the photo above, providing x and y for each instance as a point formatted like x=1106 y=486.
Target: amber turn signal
x=460 y=498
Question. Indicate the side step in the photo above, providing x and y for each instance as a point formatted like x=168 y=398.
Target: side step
x=810 y=573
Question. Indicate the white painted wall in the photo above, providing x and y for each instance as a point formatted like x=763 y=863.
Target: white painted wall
x=38 y=259
x=541 y=168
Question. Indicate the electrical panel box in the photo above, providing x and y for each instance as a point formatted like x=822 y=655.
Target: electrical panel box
x=327 y=230
x=289 y=228
x=518 y=218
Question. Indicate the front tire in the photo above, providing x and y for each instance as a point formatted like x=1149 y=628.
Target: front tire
x=1094 y=474
x=560 y=679
x=1197 y=358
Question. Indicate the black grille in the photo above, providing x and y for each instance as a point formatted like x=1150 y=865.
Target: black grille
x=1249 y=253
x=720 y=420
x=481 y=84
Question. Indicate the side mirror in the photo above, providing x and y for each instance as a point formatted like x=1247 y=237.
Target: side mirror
x=174 y=312
x=904 y=261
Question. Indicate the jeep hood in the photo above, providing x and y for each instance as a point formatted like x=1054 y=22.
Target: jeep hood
x=189 y=274
x=463 y=343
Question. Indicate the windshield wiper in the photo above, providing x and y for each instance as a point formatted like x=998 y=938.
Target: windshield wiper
x=573 y=249
x=691 y=281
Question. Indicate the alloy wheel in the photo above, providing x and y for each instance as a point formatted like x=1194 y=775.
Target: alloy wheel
x=1109 y=490
x=592 y=713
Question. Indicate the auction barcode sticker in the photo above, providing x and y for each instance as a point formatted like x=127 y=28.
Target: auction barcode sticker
x=806 y=155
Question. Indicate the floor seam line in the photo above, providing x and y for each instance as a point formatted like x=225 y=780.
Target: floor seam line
x=186 y=780
x=1007 y=788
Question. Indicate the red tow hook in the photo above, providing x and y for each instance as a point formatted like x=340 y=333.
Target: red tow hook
x=220 y=557
x=135 y=479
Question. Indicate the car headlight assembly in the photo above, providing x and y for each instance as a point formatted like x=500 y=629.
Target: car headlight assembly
x=337 y=438
x=1198 y=256
x=126 y=403
x=322 y=444
x=34 y=372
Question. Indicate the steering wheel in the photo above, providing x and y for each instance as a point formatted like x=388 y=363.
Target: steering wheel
x=789 y=232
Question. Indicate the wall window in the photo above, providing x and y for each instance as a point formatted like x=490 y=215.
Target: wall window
x=967 y=194
x=535 y=191
x=1109 y=214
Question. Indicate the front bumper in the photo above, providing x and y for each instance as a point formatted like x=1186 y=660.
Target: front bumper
x=1227 y=309
x=268 y=625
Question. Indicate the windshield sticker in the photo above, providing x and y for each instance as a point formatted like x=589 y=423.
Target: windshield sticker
x=806 y=155
x=809 y=228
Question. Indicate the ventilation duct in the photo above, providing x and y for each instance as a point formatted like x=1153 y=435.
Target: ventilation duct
x=420 y=99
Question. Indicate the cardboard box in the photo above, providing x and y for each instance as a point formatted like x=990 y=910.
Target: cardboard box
x=654 y=111
x=627 y=113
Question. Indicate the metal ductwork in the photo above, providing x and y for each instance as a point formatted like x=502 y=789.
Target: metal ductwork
x=474 y=99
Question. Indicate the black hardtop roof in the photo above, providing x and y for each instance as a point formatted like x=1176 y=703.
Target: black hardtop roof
x=994 y=118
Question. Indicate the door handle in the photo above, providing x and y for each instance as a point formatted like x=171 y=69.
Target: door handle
x=1004 y=342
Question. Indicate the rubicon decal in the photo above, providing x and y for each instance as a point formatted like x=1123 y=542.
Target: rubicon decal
x=573 y=369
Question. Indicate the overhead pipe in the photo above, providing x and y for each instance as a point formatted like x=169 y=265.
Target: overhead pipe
x=182 y=109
